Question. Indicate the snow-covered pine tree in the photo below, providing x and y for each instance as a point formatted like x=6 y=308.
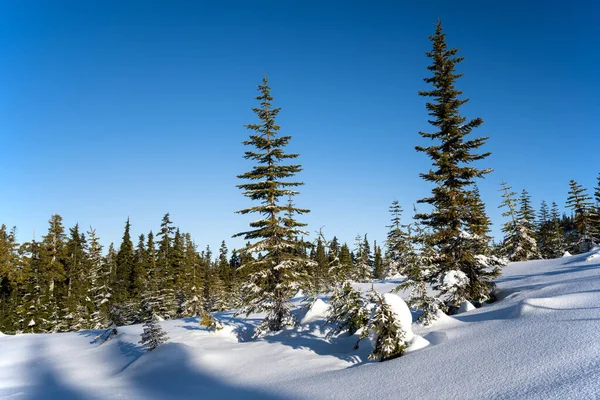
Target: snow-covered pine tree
x=519 y=243
x=453 y=173
x=378 y=266
x=526 y=218
x=76 y=305
x=386 y=327
x=276 y=275
x=52 y=272
x=595 y=216
x=166 y=305
x=556 y=238
x=418 y=267
x=11 y=274
x=363 y=270
x=99 y=283
x=348 y=311
x=544 y=230
x=397 y=243
x=153 y=335
x=580 y=203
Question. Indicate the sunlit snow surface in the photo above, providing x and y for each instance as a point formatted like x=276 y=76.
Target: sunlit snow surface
x=541 y=340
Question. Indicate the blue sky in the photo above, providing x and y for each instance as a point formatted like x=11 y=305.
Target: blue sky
x=116 y=109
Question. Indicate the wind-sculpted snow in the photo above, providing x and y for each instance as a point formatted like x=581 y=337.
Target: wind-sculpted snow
x=538 y=341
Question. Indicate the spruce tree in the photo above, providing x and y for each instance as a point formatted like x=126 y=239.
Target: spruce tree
x=153 y=335
x=544 y=230
x=453 y=173
x=386 y=328
x=124 y=263
x=519 y=243
x=397 y=243
x=378 y=266
x=166 y=302
x=348 y=311
x=274 y=277
x=580 y=203
x=595 y=214
x=52 y=262
x=76 y=305
x=99 y=290
x=556 y=236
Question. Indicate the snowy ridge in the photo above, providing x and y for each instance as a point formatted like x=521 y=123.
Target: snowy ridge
x=539 y=341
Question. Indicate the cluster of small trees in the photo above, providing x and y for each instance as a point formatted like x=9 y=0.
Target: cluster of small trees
x=549 y=234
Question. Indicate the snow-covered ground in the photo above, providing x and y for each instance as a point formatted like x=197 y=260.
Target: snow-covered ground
x=540 y=341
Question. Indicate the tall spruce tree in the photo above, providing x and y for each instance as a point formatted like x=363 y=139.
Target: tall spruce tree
x=453 y=173
x=275 y=276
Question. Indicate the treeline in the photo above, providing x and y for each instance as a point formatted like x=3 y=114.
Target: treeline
x=68 y=282
x=546 y=233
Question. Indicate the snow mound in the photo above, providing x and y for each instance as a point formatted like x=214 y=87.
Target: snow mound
x=593 y=256
x=399 y=307
x=567 y=254
x=319 y=310
x=417 y=343
x=455 y=278
x=465 y=306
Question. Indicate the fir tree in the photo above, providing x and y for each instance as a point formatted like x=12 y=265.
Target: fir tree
x=363 y=270
x=452 y=172
x=418 y=270
x=595 y=215
x=386 y=327
x=99 y=284
x=165 y=297
x=556 y=235
x=124 y=263
x=76 y=303
x=277 y=274
x=580 y=203
x=378 y=267
x=397 y=243
x=348 y=310
x=544 y=230
x=519 y=243
x=153 y=335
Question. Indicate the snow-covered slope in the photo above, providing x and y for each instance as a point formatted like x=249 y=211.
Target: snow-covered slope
x=540 y=341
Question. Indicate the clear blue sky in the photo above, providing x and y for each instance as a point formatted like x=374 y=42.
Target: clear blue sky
x=116 y=109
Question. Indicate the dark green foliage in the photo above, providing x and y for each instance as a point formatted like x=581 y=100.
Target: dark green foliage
x=363 y=266
x=378 y=266
x=451 y=219
x=278 y=273
x=519 y=238
x=385 y=326
x=580 y=203
x=397 y=244
x=348 y=310
x=125 y=263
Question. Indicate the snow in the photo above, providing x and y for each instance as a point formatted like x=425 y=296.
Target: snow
x=319 y=310
x=455 y=278
x=567 y=254
x=538 y=341
x=400 y=308
x=465 y=306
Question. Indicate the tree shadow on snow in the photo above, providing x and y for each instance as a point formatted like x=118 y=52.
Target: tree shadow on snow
x=311 y=337
x=47 y=383
x=168 y=373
